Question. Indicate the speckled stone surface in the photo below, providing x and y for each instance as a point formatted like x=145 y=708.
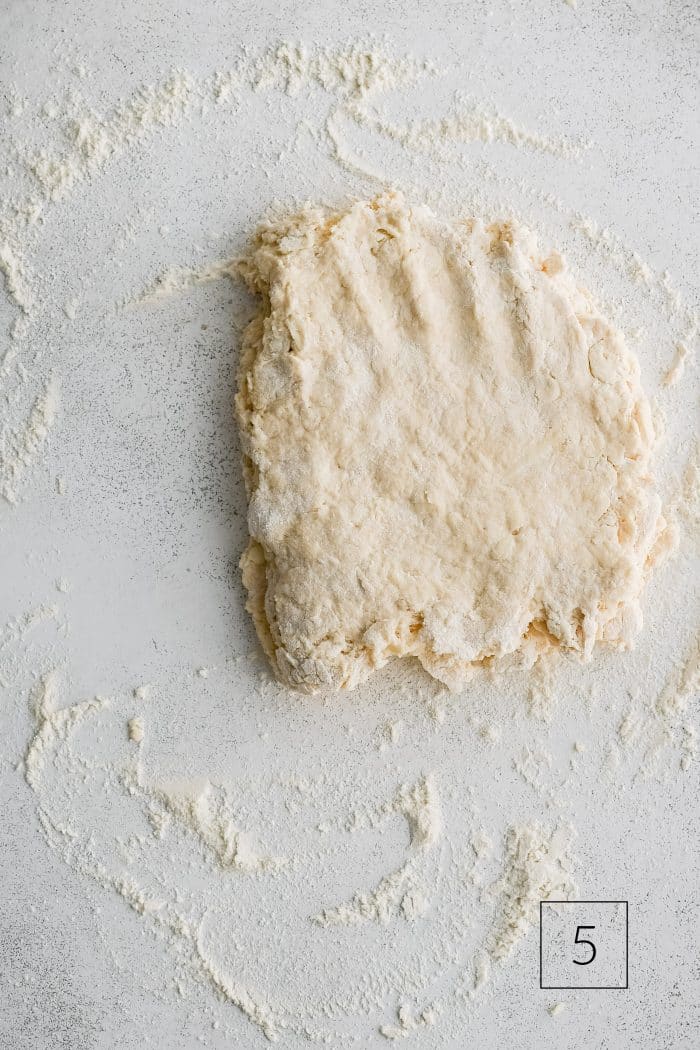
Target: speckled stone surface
x=151 y=524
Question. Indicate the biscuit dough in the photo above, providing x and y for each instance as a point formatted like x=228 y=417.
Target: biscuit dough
x=446 y=449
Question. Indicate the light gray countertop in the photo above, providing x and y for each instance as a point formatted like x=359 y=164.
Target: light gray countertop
x=134 y=562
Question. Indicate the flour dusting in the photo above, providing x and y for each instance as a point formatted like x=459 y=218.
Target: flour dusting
x=324 y=873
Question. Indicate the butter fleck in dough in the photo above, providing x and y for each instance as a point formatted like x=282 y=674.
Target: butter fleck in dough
x=446 y=450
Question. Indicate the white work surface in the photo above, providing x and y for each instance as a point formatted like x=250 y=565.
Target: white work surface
x=133 y=556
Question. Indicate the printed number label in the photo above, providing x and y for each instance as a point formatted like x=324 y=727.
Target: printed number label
x=584 y=940
x=574 y=934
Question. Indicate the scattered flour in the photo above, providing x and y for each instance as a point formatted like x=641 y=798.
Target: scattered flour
x=490 y=733
x=94 y=140
x=482 y=844
x=53 y=724
x=677 y=368
x=20 y=446
x=167 y=918
x=470 y=121
x=405 y=890
x=17 y=283
x=556 y=1008
x=658 y=727
x=354 y=78
x=135 y=730
x=177 y=281
x=538 y=867
x=63 y=771
x=202 y=809
x=689 y=746
x=610 y=246
x=533 y=765
x=541 y=693
x=537 y=862
x=409 y=1022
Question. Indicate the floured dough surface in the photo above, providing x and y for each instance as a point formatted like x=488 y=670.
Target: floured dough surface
x=447 y=449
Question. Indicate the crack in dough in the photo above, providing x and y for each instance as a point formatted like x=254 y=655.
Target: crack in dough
x=447 y=450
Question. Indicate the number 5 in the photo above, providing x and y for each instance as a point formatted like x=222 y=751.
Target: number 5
x=584 y=940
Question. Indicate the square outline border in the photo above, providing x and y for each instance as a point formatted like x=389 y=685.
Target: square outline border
x=590 y=987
